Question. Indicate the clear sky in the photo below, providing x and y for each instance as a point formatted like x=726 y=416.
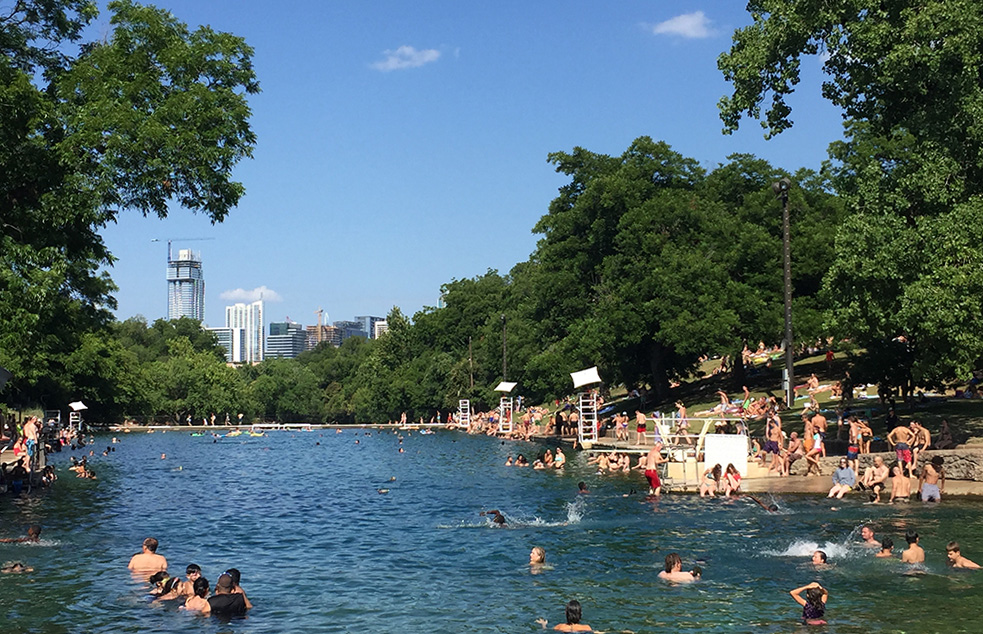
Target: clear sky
x=403 y=144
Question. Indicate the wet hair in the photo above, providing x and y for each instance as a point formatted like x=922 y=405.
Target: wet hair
x=540 y=554
x=911 y=536
x=822 y=555
x=697 y=571
x=573 y=612
x=814 y=596
x=34 y=530
x=157 y=577
x=235 y=574
x=671 y=560
x=952 y=547
x=887 y=543
x=201 y=587
x=151 y=544
x=192 y=568
x=582 y=485
x=169 y=585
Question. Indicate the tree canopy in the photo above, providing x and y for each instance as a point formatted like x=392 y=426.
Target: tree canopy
x=152 y=116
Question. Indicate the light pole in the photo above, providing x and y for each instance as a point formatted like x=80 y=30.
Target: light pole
x=504 y=377
x=781 y=192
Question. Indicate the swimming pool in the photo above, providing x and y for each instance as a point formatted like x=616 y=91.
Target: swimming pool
x=321 y=550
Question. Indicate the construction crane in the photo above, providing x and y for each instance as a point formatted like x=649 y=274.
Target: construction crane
x=170 y=240
x=320 y=331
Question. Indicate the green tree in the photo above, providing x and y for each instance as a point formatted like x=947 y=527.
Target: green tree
x=910 y=170
x=154 y=114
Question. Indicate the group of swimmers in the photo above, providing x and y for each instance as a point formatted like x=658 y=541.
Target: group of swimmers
x=545 y=460
x=228 y=599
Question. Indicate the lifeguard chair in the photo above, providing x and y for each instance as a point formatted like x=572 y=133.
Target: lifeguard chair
x=587 y=404
x=505 y=407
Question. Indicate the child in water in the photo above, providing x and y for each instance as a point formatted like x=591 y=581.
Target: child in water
x=813 y=605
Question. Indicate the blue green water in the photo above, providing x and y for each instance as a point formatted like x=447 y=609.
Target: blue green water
x=321 y=550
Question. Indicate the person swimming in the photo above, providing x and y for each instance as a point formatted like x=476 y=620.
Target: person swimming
x=497 y=516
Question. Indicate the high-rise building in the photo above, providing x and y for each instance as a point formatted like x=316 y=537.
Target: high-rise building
x=368 y=324
x=328 y=334
x=286 y=340
x=233 y=340
x=380 y=328
x=351 y=329
x=250 y=318
x=185 y=286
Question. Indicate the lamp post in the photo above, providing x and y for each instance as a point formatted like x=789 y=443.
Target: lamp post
x=781 y=192
x=504 y=377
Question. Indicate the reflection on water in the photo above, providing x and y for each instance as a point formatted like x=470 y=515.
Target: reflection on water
x=321 y=550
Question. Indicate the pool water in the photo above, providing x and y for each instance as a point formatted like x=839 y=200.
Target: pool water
x=321 y=550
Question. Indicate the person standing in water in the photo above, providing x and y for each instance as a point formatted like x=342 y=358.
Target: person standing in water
x=914 y=554
x=814 y=603
x=573 y=615
x=932 y=480
x=652 y=462
x=147 y=560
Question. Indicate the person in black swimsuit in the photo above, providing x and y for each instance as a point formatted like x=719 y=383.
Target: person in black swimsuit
x=225 y=602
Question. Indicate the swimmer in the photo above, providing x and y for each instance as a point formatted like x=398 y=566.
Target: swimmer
x=537 y=556
x=147 y=560
x=573 y=615
x=914 y=554
x=814 y=605
x=497 y=517
x=15 y=567
x=199 y=600
x=163 y=585
x=819 y=558
x=33 y=536
x=382 y=491
x=956 y=560
x=867 y=537
x=674 y=570
x=163 y=456
x=887 y=548
x=237 y=588
x=225 y=602
x=582 y=487
x=771 y=508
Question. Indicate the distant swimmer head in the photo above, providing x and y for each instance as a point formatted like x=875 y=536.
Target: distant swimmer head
x=911 y=536
x=673 y=560
x=537 y=556
x=150 y=544
x=34 y=532
x=582 y=486
x=224 y=584
x=574 y=612
x=201 y=587
x=235 y=575
x=697 y=572
x=819 y=557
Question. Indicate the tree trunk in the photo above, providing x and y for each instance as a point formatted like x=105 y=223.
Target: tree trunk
x=738 y=374
x=660 y=375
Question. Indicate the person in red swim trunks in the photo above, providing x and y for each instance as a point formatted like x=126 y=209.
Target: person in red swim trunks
x=652 y=462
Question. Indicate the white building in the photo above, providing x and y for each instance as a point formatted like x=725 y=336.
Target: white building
x=233 y=340
x=250 y=318
x=185 y=285
x=379 y=328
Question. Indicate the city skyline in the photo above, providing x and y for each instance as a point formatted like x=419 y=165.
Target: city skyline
x=400 y=149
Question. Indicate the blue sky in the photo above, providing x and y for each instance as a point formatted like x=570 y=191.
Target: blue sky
x=402 y=145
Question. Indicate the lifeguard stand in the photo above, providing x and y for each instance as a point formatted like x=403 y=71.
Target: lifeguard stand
x=464 y=412
x=75 y=416
x=587 y=404
x=505 y=407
